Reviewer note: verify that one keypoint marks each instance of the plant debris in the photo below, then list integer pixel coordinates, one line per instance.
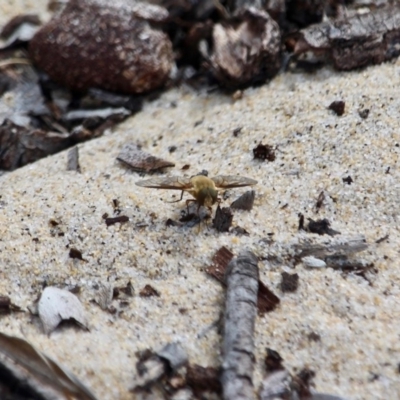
(240, 313)
(245, 201)
(152, 367)
(321, 227)
(6, 306)
(73, 160)
(223, 219)
(141, 161)
(121, 219)
(353, 42)
(348, 180)
(246, 48)
(264, 152)
(337, 107)
(57, 305)
(289, 282)
(75, 253)
(203, 379)
(149, 291)
(273, 361)
(30, 374)
(266, 300)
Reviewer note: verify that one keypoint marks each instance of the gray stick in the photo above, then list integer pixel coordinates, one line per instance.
(240, 314)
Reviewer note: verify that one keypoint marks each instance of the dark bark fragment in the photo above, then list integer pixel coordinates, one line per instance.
(203, 379)
(238, 343)
(223, 219)
(246, 48)
(357, 41)
(20, 146)
(245, 201)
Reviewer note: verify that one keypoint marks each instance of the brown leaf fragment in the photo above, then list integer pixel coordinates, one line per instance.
(220, 261)
(289, 282)
(246, 48)
(337, 107)
(302, 381)
(241, 277)
(264, 152)
(6, 306)
(360, 40)
(140, 160)
(75, 253)
(223, 219)
(107, 45)
(30, 374)
(115, 220)
(149, 291)
(57, 305)
(321, 227)
(266, 299)
(245, 201)
(203, 379)
(273, 361)
(73, 159)
(320, 200)
(348, 180)
(20, 146)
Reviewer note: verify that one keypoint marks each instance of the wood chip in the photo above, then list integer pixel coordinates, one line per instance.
(223, 219)
(203, 379)
(141, 161)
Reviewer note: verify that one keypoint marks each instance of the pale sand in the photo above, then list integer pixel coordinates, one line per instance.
(358, 323)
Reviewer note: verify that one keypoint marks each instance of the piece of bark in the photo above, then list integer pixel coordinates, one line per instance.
(220, 261)
(223, 219)
(240, 313)
(246, 48)
(27, 373)
(73, 160)
(266, 299)
(20, 146)
(245, 201)
(140, 160)
(203, 379)
(343, 246)
(155, 366)
(114, 220)
(358, 41)
(105, 45)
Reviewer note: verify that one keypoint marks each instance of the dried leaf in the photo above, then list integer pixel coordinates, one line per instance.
(140, 160)
(245, 201)
(41, 377)
(57, 305)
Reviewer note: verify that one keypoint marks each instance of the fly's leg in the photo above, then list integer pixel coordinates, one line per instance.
(176, 201)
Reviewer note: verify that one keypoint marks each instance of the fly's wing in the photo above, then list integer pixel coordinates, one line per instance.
(230, 181)
(171, 183)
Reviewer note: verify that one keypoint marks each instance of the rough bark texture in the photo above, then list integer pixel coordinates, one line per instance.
(238, 344)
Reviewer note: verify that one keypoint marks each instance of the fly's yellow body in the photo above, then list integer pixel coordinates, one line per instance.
(203, 189)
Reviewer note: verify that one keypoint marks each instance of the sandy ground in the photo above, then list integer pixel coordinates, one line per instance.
(356, 318)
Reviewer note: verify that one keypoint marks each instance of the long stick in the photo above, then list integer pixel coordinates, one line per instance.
(238, 344)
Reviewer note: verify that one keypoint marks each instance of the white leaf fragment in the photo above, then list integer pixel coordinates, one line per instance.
(313, 262)
(56, 305)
